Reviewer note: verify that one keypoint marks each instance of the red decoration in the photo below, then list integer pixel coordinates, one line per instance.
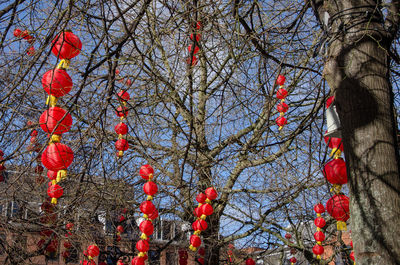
(197, 212)
(196, 49)
(319, 222)
(192, 60)
(55, 120)
(281, 80)
(122, 111)
(281, 93)
(122, 145)
(55, 191)
(123, 95)
(211, 193)
(335, 171)
(138, 261)
(145, 171)
(199, 225)
(153, 215)
(293, 260)
(93, 251)
(121, 218)
(17, 32)
(52, 246)
(147, 207)
(352, 256)
(198, 37)
(121, 128)
(202, 251)
(150, 188)
(319, 236)
(206, 209)
(57, 156)
(318, 250)
(67, 244)
(142, 245)
(66, 254)
(66, 45)
(195, 241)
(329, 101)
(146, 227)
(334, 142)
(201, 198)
(319, 208)
(200, 260)
(250, 261)
(69, 226)
(288, 236)
(282, 107)
(57, 82)
(120, 228)
(281, 121)
(338, 207)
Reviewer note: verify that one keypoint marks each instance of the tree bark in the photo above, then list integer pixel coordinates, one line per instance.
(357, 71)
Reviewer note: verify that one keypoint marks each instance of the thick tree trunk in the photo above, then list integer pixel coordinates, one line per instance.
(357, 71)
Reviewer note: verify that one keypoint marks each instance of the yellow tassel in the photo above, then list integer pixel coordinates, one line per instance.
(90, 257)
(337, 154)
(149, 197)
(341, 226)
(141, 254)
(120, 153)
(63, 64)
(124, 103)
(318, 257)
(336, 188)
(120, 136)
(143, 236)
(192, 248)
(150, 176)
(319, 229)
(54, 200)
(197, 232)
(319, 243)
(145, 216)
(200, 204)
(208, 201)
(281, 114)
(203, 217)
(51, 100)
(55, 138)
(280, 128)
(62, 174)
(318, 215)
(54, 182)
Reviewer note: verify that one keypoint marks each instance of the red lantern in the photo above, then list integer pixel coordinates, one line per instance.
(123, 95)
(288, 236)
(206, 209)
(319, 208)
(66, 45)
(142, 245)
(196, 49)
(121, 128)
(55, 120)
(282, 107)
(281, 121)
(146, 227)
(150, 188)
(280, 80)
(334, 142)
(201, 198)
(138, 261)
(195, 241)
(17, 32)
(281, 93)
(352, 256)
(52, 247)
(147, 207)
(153, 215)
(57, 156)
(338, 207)
(199, 225)
(250, 261)
(55, 191)
(121, 145)
(192, 60)
(293, 260)
(120, 228)
(121, 218)
(200, 260)
(93, 251)
(66, 254)
(118, 238)
(319, 222)
(69, 226)
(198, 212)
(198, 37)
(319, 236)
(57, 82)
(202, 251)
(335, 171)
(122, 111)
(211, 193)
(145, 171)
(318, 250)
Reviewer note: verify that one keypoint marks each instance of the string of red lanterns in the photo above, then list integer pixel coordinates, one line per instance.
(195, 37)
(121, 128)
(48, 218)
(183, 257)
(201, 252)
(203, 210)
(18, 33)
(319, 236)
(282, 107)
(120, 227)
(149, 214)
(293, 251)
(34, 146)
(91, 252)
(55, 121)
(67, 243)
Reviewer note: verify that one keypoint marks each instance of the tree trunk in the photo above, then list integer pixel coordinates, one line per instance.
(357, 71)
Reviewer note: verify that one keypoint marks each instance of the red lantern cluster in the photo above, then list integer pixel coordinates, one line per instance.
(230, 253)
(121, 128)
(18, 33)
(201, 253)
(34, 146)
(2, 167)
(67, 243)
(319, 236)
(183, 257)
(92, 251)
(48, 218)
(55, 121)
(120, 227)
(194, 47)
(282, 107)
(149, 214)
(250, 261)
(293, 251)
(203, 210)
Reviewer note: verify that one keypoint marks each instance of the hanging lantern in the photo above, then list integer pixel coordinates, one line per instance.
(201, 198)
(195, 241)
(57, 156)
(319, 236)
(335, 171)
(319, 222)
(55, 191)
(338, 208)
(196, 49)
(146, 172)
(211, 193)
(198, 37)
(55, 120)
(138, 261)
(146, 227)
(282, 107)
(288, 236)
(66, 45)
(150, 188)
(93, 251)
(250, 261)
(122, 111)
(281, 121)
(142, 245)
(206, 209)
(199, 225)
(57, 82)
(121, 145)
(123, 95)
(318, 250)
(121, 128)
(120, 229)
(332, 119)
(293, 260)
(281, 93)
(147, 207)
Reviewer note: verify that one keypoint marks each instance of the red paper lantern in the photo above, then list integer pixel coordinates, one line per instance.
(55, 120)
(69, 226)
(201, 198)
(318, 250)
(55, 191)
(153, 215)
(288, 236)
(146, 227)
(319, 208)
(138, 261)
(195, 241)
(122, 111)
(121, 128)
(280, 80)
(57, 82)
(250, 261)
(52, 246)
(192, 60)
(196, 49)
(319, 222)
(211, 193)
(335, 171)
(57, 156)
(198, 37)
(334, 142)
(319, 236)
(202, 251)
(121, 145)
(34, 133)
(352, 256)
(66, 254)
(338, 207)
(121, 218)
(281, 121)
(206, 209)
(282, 107)
(281, 93)
(93, 251)
(142, 245)
(200, 260)
(17, 32)
(145, 171)
(147, 207)
(66, 45)
(198, 212)
(199, 225)
(123, 95)
(120, 228)
(118, 238)
(150, 188)
(293, 260)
